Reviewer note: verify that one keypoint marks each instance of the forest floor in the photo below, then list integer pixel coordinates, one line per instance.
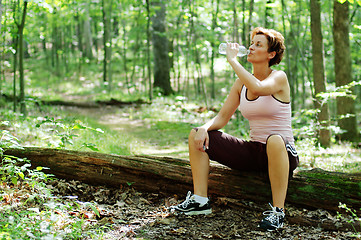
(137, 215)
(130, 214)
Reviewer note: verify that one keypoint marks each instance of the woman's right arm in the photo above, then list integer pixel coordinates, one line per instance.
(229, 107)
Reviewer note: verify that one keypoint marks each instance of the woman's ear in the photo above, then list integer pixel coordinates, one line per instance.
(271, 55)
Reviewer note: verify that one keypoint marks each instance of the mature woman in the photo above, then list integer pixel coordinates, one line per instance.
(264, 99)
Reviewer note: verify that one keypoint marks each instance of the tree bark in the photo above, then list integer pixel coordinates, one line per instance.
(160, 49)
(149, 66)
(310, 189)
(1, 11)
(213, 45)
(88, 39)
(268, 15)
(343, 72)
(319, 73)
(249, 25)
(1, 58)
(21, 60)
(107, 41)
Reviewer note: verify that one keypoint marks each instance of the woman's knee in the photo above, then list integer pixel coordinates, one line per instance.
(275, 142)
(192, 134)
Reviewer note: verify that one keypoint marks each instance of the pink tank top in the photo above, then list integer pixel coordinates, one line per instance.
(266, 115)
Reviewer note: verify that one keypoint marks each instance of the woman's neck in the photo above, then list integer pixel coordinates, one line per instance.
(261, 71)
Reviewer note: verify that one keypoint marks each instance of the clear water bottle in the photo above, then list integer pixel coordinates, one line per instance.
(243, 51)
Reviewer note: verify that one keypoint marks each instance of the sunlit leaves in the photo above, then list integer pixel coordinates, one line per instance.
(343, 91)
(351, 1)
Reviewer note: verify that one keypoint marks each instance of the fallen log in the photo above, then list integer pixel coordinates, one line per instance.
(310, 189)
(87, 104)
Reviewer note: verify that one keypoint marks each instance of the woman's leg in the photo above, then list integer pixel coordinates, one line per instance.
(200, 167)
(278, 169)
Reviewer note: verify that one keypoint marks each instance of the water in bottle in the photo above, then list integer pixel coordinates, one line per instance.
(243, 51)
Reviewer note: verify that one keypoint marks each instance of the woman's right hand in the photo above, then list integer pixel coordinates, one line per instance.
(201, 140)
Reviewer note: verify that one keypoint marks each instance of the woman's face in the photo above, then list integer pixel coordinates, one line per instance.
(259, 50)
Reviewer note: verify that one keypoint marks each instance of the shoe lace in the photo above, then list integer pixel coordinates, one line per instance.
(187, 201)
(273, 216)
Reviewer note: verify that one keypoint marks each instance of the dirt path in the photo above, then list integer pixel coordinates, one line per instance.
(120, 120)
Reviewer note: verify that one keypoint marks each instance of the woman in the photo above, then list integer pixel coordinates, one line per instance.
(264, 99)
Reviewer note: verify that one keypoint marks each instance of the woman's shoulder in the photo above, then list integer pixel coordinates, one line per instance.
(279, 74)
(238, 84)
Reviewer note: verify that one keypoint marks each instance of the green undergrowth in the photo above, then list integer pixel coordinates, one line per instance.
(29, 210)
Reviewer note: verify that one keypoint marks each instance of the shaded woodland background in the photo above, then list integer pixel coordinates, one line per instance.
(157, 62)
(151, 48)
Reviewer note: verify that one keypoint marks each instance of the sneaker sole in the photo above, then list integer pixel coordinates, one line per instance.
(206, 212)
(272, 230)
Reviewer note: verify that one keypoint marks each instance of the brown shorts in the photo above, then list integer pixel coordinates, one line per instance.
(244, 155)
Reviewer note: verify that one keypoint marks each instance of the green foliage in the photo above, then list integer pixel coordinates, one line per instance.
(28, 210)
(66, 132)
(352, 218)
(343, 91)
(351, 1)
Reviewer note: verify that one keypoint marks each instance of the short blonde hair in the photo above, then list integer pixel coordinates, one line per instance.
(276, 42)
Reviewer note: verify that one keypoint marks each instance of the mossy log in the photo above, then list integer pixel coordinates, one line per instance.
(310, 189)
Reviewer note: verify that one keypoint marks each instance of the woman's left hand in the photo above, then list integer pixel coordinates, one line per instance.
(232, 51)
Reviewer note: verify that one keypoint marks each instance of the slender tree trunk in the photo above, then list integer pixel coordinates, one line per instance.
(1, 79)
(288, 59)
(80, 39)
(15, 67)
(21, 60)
(107, 7)
(249, 25)
(136, 46)
(177, 52)
(1, 11)
(235, 22)
(88, 40)
(124, 52)
(268, 15)
(319, 73)
(160, 49)
(244, 38)
(345, 105)
(213, 45)
(149, 66)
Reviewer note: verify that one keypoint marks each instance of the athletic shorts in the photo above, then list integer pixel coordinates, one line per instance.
(244, 155)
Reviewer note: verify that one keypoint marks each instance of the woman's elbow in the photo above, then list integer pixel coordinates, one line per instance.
(256, 91)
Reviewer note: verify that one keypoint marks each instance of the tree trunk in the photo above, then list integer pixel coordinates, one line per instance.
(21, 60)
(79, 35)
(310, 189)
(343, 75)
(235, 23)
(160, 49)
(15, 66)
(1, 11)
(249, 25)
(88, 40)
(107, 41)
(319, 73)
(268, 15)
(149, 66)
(213, 45)
(1, 58)
(124, 52)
